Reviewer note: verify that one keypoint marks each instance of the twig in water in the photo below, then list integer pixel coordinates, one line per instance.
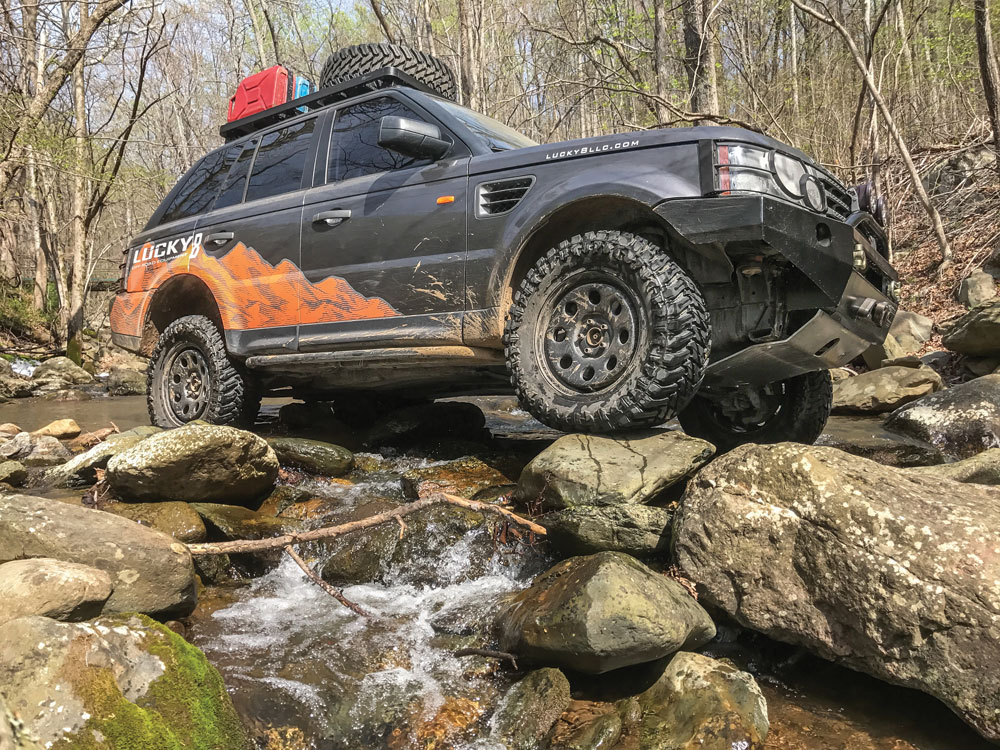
(488, 653)
(335, 593)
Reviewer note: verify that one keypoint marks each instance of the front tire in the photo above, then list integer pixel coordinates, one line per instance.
(793, 410)
(191, 377)
(605, 333)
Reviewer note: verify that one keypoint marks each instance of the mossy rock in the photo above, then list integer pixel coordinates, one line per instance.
(325, 459)
(126, 683)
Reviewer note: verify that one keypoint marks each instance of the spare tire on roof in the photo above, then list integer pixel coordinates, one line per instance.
(354, 62)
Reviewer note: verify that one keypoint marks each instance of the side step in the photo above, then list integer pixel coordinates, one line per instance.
(418, 356)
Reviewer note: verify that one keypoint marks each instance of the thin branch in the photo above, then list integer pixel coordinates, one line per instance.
(335, 593)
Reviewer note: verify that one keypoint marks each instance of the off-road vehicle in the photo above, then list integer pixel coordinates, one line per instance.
(377, 236)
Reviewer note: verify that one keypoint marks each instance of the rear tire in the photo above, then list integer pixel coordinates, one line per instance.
(191, 377)
(606, 332)
(799, 408)
(354, 62)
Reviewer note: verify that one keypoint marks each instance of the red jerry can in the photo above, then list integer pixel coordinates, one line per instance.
(260, 91)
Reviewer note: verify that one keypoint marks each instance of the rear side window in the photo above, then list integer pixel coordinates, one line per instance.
(236, 181)
(281, 160)
(354, 149)
(199, 189)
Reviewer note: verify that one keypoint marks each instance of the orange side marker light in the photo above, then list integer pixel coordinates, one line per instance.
(446, 199)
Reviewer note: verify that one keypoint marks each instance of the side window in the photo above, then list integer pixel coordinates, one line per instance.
(354, 149)
(281, 159)
(201, 186)
(236, 181)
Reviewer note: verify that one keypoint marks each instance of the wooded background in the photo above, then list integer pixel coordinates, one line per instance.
(104, 104)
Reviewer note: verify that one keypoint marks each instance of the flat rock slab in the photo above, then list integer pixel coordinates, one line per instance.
(82, 469)
(150, 572)
(983, 468)
(52, 588)
(601, 612)
(464, 477)
(868, 438)
(594, 470)
(882, 390)
(886, 571)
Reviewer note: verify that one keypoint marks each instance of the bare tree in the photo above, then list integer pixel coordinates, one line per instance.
(988, 72)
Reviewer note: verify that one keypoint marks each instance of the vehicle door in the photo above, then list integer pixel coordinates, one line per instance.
(250, 240)
(383, 236)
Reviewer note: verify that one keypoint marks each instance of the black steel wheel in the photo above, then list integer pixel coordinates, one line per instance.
(605, 333)
(191, 377)
(354, 62)
(793, 410)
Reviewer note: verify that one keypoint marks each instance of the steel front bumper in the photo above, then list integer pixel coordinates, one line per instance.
(823, 250)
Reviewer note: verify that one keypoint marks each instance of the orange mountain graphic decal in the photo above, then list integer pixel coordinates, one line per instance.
(250, 292)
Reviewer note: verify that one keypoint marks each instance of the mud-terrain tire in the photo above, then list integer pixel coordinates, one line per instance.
(353, 62)
(606, 333)
(191, 377)
(803, 406)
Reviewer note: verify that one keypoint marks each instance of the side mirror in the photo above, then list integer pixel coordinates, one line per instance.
(421, 140)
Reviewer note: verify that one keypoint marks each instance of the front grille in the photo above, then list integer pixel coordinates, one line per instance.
(501, 197)
(838, 197)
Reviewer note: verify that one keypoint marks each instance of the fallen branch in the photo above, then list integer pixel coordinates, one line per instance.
(330, 532)
(488, 653)
(335, 593)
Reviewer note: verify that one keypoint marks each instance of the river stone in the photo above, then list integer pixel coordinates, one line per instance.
(976, 288)
(880, 569)
(529, 710)
(82, 469)
(176, 519)
(117, 682)
(13, 473)
(198, 462)
(52, 588)
(601, 612)
(883, 390)
(983, 468)
(150, 572)
(34, 451)
(12, 386)
(977, 332)
(699, 703)
(638, 530)
(601, 732)
(126, 381)
(13, 735)
(314, 456)
(464, 477)
(9, 429)
(60, 371)
(911, 329)
(235, 522)
(877, 354)
(63, 429)
(594, 470)
(962, 421)
(868, 438)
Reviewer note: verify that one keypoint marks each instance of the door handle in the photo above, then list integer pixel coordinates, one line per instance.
(219, 238)
(332, 218)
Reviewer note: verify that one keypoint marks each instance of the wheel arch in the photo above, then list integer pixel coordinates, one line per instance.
(184, 294)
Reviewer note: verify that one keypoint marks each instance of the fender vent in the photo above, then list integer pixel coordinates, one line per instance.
(495, 198)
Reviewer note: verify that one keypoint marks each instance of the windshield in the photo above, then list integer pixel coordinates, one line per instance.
(498, 136)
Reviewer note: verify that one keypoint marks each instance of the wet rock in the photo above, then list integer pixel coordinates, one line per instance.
(593, 470)
(601, 732)
(883, 390)
(150, 572)
(962, 421)
(82, 469)
(59, 372)
(877, 354)
(198, 462)
(976, 288)
(126, 381)
(598, 613)
(453, 419)
(529, 710)
(638, 530)
(12, 386)
(31, 450)
(911, 330)
(52, 588)
(236, 522)
(9, 429)
(175, 519)
(63, 394)
(62, 429)
(699, 703)
(314, 456)
(13, 473)
(983, 468)
(857, 562)
(283, 497)
(118, 682)
(976, 333)
(868, 438)
(465, 477)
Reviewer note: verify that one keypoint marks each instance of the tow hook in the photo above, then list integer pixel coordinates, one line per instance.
(866, 307)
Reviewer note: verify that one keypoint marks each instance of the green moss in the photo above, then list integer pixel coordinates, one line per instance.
(186, 708)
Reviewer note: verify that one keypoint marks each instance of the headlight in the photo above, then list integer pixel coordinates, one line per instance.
(743, 168)
(789, 172)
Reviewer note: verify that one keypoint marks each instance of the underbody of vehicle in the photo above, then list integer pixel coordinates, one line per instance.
(377, 236)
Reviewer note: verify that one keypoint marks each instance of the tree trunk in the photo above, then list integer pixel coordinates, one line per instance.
(793, 33)
(988, 71)
(661, 58)
(78, 229)
(468, 39)
(699, 59)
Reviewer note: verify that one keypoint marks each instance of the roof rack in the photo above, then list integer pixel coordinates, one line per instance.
(382, 78)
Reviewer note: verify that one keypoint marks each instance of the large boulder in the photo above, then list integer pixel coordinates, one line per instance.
(464, 477)
(150, 572)
(315, 456)
(118, 682)
(529, 709)
(977, 332)
(637, 530)
(82, 469)
(883, 390)
(962, 421)
(594, 470)
(877, 354)
(911, 330)
(199, 462)
(976, 288)
(598, 613)
(883, 570)
(59, 372)
(52, 588)
(126, 381)
(983, 468)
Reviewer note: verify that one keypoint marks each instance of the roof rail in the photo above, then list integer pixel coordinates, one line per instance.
(382, 78)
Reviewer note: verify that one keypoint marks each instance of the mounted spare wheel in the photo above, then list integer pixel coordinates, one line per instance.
(354, 62)
(606, 332)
